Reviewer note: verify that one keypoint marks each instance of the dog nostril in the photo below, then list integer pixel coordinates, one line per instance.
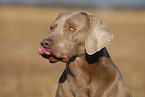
(46, 44)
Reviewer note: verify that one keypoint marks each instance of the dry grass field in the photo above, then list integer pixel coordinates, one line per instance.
(23, 73)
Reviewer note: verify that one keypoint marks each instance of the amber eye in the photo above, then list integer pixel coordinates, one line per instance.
(71, 28)
(52, 28)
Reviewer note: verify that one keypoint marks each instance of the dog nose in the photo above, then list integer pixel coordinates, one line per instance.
(46, 43)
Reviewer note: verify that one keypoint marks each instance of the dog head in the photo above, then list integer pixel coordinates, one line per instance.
(74, 34)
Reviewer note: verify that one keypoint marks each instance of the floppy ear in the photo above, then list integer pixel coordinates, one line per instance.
(98, 35)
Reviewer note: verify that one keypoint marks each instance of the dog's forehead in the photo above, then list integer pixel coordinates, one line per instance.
(61, 17)
(68, 16)
(72, 17)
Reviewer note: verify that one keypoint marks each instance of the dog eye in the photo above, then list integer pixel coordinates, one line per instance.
(52, 28)
(71, 28)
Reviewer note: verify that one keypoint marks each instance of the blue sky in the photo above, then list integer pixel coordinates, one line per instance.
(108, 1)
(130, 1)
(122, 1)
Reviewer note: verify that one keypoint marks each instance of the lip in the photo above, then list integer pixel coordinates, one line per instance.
(53, 59)
(48, 55)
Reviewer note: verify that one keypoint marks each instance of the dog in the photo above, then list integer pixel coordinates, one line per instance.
(79, 39)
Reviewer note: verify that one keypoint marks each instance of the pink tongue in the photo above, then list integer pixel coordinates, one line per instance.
(42, 51)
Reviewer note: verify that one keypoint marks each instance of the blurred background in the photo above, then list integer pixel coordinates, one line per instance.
(24, 23)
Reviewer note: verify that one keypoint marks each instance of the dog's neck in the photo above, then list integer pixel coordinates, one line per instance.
(95, 57)
(76, 66)
(91, 58)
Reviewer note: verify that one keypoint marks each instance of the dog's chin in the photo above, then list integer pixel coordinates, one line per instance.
(54, 59)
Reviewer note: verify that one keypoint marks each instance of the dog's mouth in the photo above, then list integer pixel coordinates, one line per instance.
(48, 55)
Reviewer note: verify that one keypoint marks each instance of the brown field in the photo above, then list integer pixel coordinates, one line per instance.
(23, 73)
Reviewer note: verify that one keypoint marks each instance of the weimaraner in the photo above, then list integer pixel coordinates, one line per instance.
(79, 40)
